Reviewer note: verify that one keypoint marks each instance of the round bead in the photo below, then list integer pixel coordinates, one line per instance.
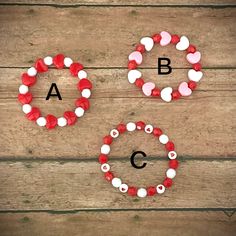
(32, 71)
(140, 125)
(157, 132)
(131, 126)
(163, 139)
(41, 121)
(105, 149)
(142, 192)
(116, 182)
(86, 93)
(172, 155)
(23, 89)
(82, 74)
(67, 61)
(114, 133)
(109, 176)
(102, 158)
(105, 167)
(160, 189)
(123, 188)
(132, 191)
(107, 139)
(148, 129)
(170, 146)
(151, 191)
(26, 108)
(167, 182)
(48, 60)
(79, 111)
(62, 121)
(173, 164)
(171, 173)
(121, 128)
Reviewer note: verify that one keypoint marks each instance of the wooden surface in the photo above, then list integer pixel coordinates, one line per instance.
(50, 181)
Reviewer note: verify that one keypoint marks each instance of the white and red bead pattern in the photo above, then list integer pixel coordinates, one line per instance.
(29, 79)
(117, 182)
(167, 94)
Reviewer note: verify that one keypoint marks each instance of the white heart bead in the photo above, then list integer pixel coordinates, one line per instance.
(86, 93)
(160, 188)
(195, 75)
(105, 149)
(166, 94)
(148, 129)
(105, 167)
(23, 89)
(172, 155)
(48, 60)
(183, 44)
(147, 42)
(133, 75)
(26, 108)
(131, 126)
(116, 182)
(32, 71)
(123, 188)
(82, 74)
(67, 61)
(79, 111)
(41, 121)
(163, 139)
(114, 133)
(62, 121)
(142, 192)
(171, 173)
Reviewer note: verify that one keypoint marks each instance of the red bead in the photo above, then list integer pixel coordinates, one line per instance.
(102, 158)
(58, 61)
(197, 66)
(82, 102)
(25, 98)
(170, 146)
(75, 68)
(70, 117)
(176, 94)
(132, 191)
(139, 82)
(192, 85)
(175, 39)
(156, 92)
(41, 66)
(51, 121)
(28, 80)
(34, 114)
(167, 182)
(132, 65)
(107, 139)
(84, 84)
(140, 125)
(109, 176)
(140, 48)
(173, 164)
(151, 191)
(156, 38)
(191, 49)
(121, 128)
(157, 132)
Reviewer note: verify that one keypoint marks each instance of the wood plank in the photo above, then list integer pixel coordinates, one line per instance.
(80, 185)
(97, 43)
(130, 223)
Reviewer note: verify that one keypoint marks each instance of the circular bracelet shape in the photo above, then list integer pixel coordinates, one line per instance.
(168, 93)
(29, 79)
(116, 181)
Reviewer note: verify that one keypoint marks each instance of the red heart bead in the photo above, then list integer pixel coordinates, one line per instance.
(25, 98)
(82, 102)
(41, 66)
(70, 117)
(34, 114)
(84, 84)
(58, 61)
(75, 68)
(51, 121)
(28, 80)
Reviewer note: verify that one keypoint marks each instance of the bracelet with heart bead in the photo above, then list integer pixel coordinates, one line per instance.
(167, 94)
(29, 79)
(123, 186)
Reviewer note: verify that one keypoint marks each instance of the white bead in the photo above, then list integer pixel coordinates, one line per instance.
(171, 173)
(32, 71)
(142, 192)
(160, 188)
(82, 74)
(148, 43)
(48, 60)
(67, 61)
(86, 93)
(123, 188)
(116, 182)
(148, 129)
(133, 75)
(105, 149)
(79, 111)
(172, 155)
(163, 139)
(62, 121)
(23, 89)
(41, 121)
(131, 126)
(105, 167)
(26, 108)
(114, 133)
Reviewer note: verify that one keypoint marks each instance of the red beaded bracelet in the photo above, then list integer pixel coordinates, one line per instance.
(117, 182)
(149, 89)
(29, 79)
